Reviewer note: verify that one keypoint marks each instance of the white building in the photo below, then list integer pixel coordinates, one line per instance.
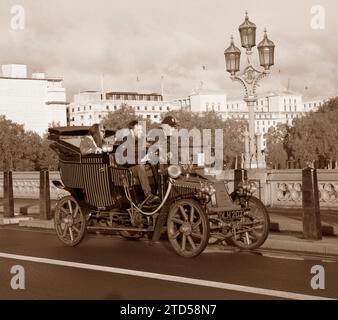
(36, 102)
(274, 108)
(271, 109)
(91, 107)
(203, 101)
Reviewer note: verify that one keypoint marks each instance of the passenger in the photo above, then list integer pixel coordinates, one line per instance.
(139, 170)
(93, 143)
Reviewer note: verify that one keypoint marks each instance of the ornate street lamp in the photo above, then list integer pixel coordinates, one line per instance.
(266, 50)
(232, 58)
(249, 79)
(247, 31)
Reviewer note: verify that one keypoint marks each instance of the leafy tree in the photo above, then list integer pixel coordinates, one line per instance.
(277, 146)
(314, 137)
(120, 118)
(233, 139)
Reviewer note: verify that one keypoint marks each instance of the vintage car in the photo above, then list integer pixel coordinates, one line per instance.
(195, 207)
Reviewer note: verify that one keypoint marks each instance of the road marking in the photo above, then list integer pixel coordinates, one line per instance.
(277, 256)
(166, 277)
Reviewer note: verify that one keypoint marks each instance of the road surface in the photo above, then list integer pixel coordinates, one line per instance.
(107, 267)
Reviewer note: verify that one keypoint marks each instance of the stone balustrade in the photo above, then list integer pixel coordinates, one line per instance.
(276, 188)
(283, 188)
(26, 185)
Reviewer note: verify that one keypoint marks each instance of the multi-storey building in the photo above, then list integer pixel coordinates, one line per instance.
(36, 102)
(270, 110)
(91, 107)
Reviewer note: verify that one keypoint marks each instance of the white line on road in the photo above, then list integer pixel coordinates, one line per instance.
(166, 277)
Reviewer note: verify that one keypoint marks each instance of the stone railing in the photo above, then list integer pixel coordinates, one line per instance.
(276, 188)
(26, 185)
(283, 188)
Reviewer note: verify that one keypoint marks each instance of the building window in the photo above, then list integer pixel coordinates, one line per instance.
(100, 116)
(160, 108)
(78, 109)
(72, 109)
(168, 108)
(107, 107)
(153, 108)
(145, 108)
(138, 107)
(90, 116)
(115, 107)
(148, 116)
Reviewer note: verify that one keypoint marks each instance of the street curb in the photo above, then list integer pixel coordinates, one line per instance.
(327, 230)
(15, 220)
(37, 223)
(279, 242)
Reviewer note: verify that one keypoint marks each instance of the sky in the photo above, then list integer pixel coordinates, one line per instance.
(120, 41)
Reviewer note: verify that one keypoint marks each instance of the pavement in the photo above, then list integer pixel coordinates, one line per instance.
(285, 231)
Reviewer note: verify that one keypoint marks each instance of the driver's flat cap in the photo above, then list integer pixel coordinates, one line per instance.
(171, 121)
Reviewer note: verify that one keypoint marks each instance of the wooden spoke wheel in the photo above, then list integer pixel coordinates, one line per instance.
(188, 228)
(253, 229)
(69, 221)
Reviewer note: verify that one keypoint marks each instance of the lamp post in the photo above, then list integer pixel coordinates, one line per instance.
(249, 79)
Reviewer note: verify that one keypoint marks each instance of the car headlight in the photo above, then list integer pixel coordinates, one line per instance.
(248, 186)
(253, 187)
(174, 171)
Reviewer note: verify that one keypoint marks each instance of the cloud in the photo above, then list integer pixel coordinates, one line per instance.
(82, 39)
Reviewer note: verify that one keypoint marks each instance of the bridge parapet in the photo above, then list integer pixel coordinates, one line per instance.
(26, 185)
(276, 188)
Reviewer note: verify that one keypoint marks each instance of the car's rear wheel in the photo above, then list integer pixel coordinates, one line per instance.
(69, 221)
(188, 228)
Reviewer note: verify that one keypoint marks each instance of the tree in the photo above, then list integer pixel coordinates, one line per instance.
(120, 118)
(277, 146)
(233, 139)
(11, 137)
(314, 137)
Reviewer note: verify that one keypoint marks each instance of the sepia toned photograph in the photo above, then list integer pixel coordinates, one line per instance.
(168, 156)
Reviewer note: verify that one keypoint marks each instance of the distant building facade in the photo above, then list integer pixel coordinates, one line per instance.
(280, 107)
(91, 107)
(36, 101)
